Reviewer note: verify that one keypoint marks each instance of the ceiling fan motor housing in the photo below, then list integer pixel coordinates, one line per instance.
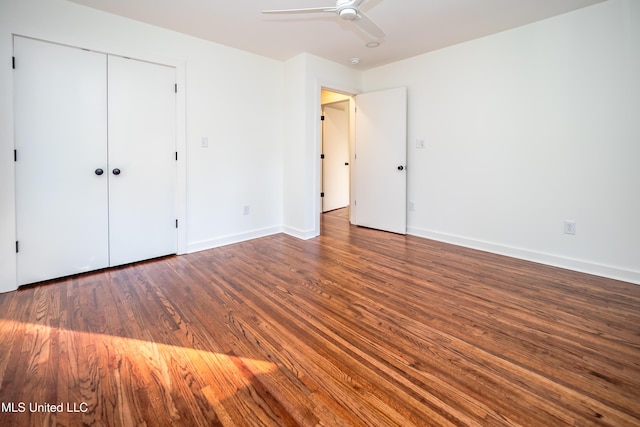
(348, 9)
(349, 14)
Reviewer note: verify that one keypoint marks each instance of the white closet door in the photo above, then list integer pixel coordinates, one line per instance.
(142, 162)
(61, 140)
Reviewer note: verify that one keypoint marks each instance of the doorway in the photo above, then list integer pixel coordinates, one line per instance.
(377, 180)
(336, 140)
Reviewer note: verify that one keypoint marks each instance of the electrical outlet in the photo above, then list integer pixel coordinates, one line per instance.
(569, 227)
(204, 142)
(412, 206)
(419, 143)
(246, 209)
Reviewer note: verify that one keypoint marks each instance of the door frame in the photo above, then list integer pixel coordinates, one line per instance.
(350, 92)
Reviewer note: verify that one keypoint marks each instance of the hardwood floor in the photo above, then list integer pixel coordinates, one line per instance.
(356, 327)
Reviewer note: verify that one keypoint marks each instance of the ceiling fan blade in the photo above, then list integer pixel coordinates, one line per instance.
(305, 10)
(368, 26)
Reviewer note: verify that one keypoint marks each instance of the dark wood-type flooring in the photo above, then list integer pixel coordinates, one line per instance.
(356, 327)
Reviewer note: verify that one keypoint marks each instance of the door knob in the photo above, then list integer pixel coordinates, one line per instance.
(116, 171)
(400, 168)
(99, 171)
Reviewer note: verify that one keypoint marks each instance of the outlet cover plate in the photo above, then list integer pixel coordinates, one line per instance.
(570, 227)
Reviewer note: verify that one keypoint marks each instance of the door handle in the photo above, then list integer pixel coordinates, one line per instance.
(400, 168)
(116, 171)
(99, 171)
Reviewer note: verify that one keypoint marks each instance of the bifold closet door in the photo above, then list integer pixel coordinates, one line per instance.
(142, 160)
(60, 114)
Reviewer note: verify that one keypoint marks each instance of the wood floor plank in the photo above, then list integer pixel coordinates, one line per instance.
(356, 327)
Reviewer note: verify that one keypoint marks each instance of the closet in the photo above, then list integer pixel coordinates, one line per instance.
(95, 141)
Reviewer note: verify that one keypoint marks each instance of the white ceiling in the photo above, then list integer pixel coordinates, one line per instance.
(412, 27)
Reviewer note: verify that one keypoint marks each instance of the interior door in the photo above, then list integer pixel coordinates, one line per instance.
(61, 141)
(335, 165)
(142, 160)
(381, 152)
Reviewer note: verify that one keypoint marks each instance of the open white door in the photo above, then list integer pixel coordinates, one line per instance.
(381, 154)
(142, 160)
(335, 164)
(61, 169)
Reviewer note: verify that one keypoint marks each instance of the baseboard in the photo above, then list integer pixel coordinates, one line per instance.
(602, 270)
(300, 234)
(231, 239)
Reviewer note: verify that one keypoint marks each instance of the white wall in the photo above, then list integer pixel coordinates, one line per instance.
(232, 97)
(528, 128)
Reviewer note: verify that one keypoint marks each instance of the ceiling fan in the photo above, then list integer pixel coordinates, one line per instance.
(349, 10)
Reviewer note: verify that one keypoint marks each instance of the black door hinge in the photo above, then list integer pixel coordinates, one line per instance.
(176, 155)
(17, 246)
(176, 223)
(13, 62)
(322, 156)
(15, 155)
(321, 117)
(321, 194)
(176, 87)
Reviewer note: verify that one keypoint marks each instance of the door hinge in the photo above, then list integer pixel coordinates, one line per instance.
(13, 62)
(321, 117)
(176, 156)
(321, 194)
(322, 156)
(17, 247)
(176, 88)
(15, 155)
(176, 223)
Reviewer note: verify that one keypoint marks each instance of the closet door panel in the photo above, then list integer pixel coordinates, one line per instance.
(142, 162)
(61, 142)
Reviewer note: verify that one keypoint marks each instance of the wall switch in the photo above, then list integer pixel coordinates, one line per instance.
(246, 209)
(419, 143)
(204, 142)
(569, 227)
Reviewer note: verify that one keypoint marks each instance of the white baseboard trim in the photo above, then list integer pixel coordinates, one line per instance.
(611, 272)
(231, 239)
(300, 234)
